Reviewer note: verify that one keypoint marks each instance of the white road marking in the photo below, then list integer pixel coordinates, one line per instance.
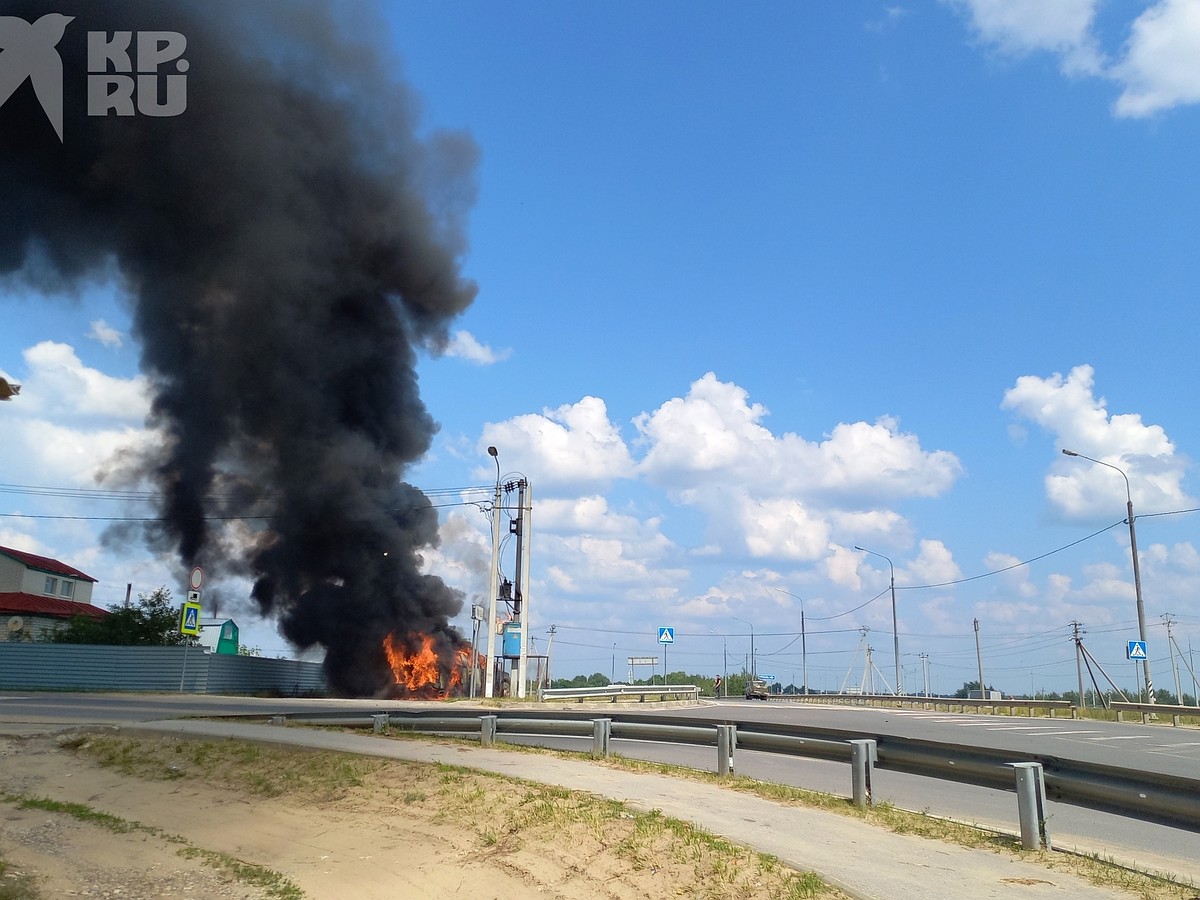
(1123, 737)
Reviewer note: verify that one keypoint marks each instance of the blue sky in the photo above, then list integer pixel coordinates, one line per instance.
(758, 284)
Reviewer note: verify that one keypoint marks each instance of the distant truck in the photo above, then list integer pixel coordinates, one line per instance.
(980, 695)
(757, 689)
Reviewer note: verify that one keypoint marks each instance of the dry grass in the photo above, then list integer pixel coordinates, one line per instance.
(510, 819)
(1097, 870)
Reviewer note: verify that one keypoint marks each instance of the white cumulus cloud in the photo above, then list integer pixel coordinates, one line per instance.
(715, 434)
(575, 443)
(1080, 421)
(1157, 67)
(1161, 65)
(105, 334)
(464, 345)
(59, 384)
(1024, 26)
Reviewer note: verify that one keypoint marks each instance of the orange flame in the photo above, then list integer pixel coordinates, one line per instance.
(415, 671)
(420, 672)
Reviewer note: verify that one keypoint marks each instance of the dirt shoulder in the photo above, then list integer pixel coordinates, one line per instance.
(95, 816)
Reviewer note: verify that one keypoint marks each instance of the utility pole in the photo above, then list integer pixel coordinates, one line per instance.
(925, 671)
(1171, 647)
(477, 614)
(803, 649)
(1137, 572)
(489, 683)
(895, 631)
(521, 603)
(1192, 669)
(1078, 663)
(979, 659)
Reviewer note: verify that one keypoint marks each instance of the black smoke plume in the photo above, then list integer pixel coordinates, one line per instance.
(288, 242)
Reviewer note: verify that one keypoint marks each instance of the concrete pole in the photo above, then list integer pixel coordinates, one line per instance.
(895, 631)
(1174, 667)
(979, 658)
(1137, 573)
(803, 648)
(489, 682)
(1079, 666)
(525, 502)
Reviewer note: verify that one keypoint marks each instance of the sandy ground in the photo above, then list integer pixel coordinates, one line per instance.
(404, 830)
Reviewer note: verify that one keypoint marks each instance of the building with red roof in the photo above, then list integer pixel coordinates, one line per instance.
(39, 594)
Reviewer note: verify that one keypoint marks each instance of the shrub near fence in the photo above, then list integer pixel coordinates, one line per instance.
(86, 667)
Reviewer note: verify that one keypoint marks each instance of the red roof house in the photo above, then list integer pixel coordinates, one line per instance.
(38, 594)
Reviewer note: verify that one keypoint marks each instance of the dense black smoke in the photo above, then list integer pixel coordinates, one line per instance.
(288, 243)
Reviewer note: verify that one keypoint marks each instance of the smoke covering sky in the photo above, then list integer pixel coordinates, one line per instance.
(753, 287)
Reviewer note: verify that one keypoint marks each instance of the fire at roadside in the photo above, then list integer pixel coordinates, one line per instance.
(422, 674)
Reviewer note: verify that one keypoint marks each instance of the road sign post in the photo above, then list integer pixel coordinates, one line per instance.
(666, 635)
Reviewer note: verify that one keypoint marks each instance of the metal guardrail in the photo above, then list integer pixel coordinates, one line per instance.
(615, 692)
(908, 701)
(1147, 710)
(1138, 794)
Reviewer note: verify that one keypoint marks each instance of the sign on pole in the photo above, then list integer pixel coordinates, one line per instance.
(197, 579)
(666, 635)
(189, 619)
(1135, 650)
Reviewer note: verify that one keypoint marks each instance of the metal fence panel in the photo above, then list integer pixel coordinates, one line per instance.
(229, 674)
(90, 667)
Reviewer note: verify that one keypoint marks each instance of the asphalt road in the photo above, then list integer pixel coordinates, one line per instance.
(1151, 748)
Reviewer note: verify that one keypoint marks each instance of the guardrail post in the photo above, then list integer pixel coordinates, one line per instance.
(487, 730)
(601, 734)
(726, 745)
(379, 723)
(863, 756)
(1031, 805)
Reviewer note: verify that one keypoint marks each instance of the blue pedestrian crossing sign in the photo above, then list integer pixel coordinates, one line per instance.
(666, 635)
(1135, 650)
(189, 619)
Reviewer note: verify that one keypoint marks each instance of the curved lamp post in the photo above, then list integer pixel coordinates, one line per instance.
(803, 641)
(895, 632)
(1137, 575)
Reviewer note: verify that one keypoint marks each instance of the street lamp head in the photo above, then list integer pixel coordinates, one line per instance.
(861, 549)
(492, 451)
(1067, 452)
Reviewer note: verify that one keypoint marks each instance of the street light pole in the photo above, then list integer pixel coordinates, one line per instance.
(1137, 574)
(803, 641)
(895, 632)
(753, 661)
(494, 584)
